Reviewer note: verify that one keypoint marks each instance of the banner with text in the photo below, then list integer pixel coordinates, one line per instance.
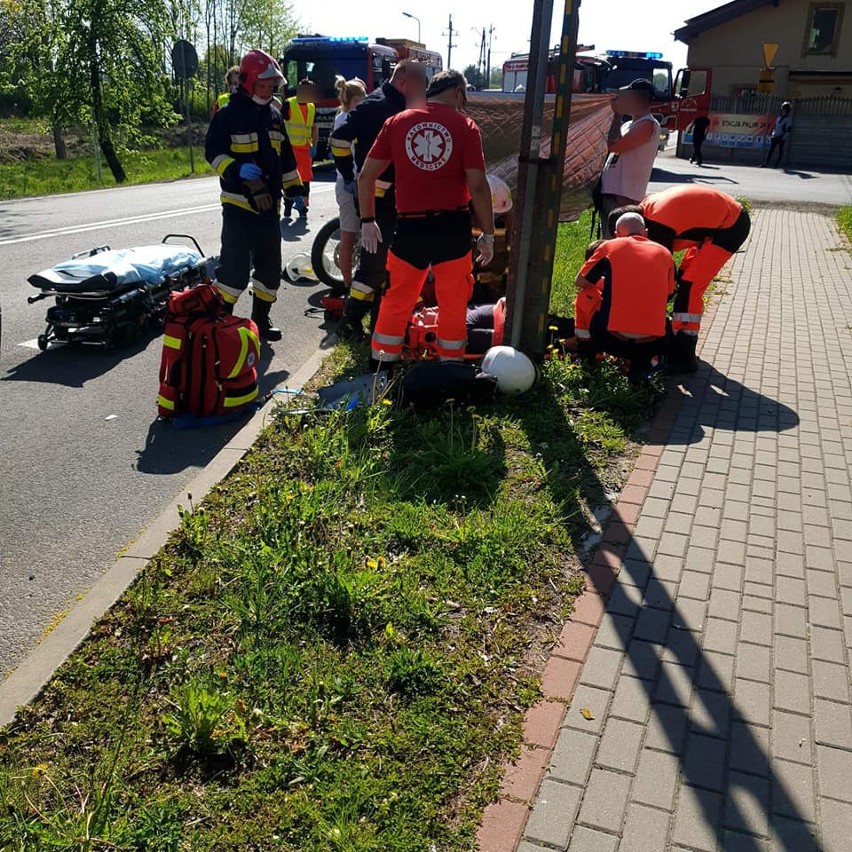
(737, 130)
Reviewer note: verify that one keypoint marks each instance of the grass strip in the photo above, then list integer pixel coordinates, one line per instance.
(335, 650)
(49, 176)
(844, 221)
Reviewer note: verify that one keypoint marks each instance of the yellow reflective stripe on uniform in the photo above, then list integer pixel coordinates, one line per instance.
(276, 140)
(247, 336)
(237, 401)
(244, 143)
(264, 293)
(221, 163)
(236, 199)
(291, 179)
(361, 292)
(172, 342)
(168, 404)
(340, 151)
(687, 317)
(229, 294)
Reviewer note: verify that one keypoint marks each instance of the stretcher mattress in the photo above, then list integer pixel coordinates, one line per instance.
(117, 269)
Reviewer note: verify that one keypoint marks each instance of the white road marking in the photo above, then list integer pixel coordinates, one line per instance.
(95, 226)
(129, 220)
(30, 344)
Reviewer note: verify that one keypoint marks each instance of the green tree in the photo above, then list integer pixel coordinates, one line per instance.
(114, 65)
(268, 25)
(38, 39)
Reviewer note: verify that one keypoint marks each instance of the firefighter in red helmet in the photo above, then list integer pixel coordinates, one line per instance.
(248, 148)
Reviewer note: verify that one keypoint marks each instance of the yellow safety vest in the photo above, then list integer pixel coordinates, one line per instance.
(299, 130)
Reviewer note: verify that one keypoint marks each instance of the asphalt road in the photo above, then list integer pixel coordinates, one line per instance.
(84, 464)
(773, 186)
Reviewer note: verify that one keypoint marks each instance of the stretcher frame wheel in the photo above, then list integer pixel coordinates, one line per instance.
(42, 341)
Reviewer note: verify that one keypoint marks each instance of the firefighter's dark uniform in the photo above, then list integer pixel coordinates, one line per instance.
(245, 132)
(361, 127)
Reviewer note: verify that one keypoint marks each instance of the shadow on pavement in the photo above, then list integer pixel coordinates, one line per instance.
(729, 406)
(802, 175)
(74, 364)
(724, 767)
(662, 176)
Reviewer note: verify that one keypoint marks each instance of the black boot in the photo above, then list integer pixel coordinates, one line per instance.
(260, 315)
(352, 323)
(288, 208)
(680, 357)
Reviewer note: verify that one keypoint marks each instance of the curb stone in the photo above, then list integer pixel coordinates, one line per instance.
(25, 683)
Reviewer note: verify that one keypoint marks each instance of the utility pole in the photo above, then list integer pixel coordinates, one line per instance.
(539, 192)
(488, 62)
(450, 33)
(480, 63)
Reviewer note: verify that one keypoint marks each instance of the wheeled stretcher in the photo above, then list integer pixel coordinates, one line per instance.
(108, 296)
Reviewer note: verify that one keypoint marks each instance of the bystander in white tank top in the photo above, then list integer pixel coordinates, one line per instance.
(628, 174)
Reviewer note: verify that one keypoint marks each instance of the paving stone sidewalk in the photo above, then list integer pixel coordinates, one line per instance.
(718, 685)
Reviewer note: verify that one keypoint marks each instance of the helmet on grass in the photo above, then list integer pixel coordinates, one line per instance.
(258, 66)
(515, 373)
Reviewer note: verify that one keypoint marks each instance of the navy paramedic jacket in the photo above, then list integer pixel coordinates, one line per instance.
(245, 132)
(361, 127)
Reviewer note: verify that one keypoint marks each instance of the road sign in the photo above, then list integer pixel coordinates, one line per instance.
(766, 82)
(184, 60)
(770, 50)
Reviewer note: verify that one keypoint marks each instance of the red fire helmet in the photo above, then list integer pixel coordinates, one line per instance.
(257, 65)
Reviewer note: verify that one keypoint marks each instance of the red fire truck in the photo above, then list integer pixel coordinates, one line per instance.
(323, 59)
(676, 103)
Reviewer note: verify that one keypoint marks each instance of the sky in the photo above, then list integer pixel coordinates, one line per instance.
(608, 24)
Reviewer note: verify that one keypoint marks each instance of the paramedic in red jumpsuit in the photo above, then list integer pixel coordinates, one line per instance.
(440, 169)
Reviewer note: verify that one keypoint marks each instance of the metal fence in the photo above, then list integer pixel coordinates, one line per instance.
(822, 130)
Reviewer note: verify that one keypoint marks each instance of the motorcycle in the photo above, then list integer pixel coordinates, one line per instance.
(325, 256)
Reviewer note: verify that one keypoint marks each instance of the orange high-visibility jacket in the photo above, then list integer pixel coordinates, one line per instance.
(685, 216)
(638, 278)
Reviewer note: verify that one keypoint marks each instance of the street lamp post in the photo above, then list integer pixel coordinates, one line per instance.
(414, 18)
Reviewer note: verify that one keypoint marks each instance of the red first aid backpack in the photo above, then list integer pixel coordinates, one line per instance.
(208, 367)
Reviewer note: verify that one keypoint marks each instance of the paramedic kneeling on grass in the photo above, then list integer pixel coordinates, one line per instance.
(636, 278)
(440, 168)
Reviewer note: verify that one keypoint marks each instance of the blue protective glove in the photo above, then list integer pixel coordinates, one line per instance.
(300, 204)
(250, 171)
(313, 152)
(350, 186)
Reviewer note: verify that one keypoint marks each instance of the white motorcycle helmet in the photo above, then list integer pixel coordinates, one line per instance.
(501, 195)
(515, 373)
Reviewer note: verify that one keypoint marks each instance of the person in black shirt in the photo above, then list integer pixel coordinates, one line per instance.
(407, 88)
(699, 134)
